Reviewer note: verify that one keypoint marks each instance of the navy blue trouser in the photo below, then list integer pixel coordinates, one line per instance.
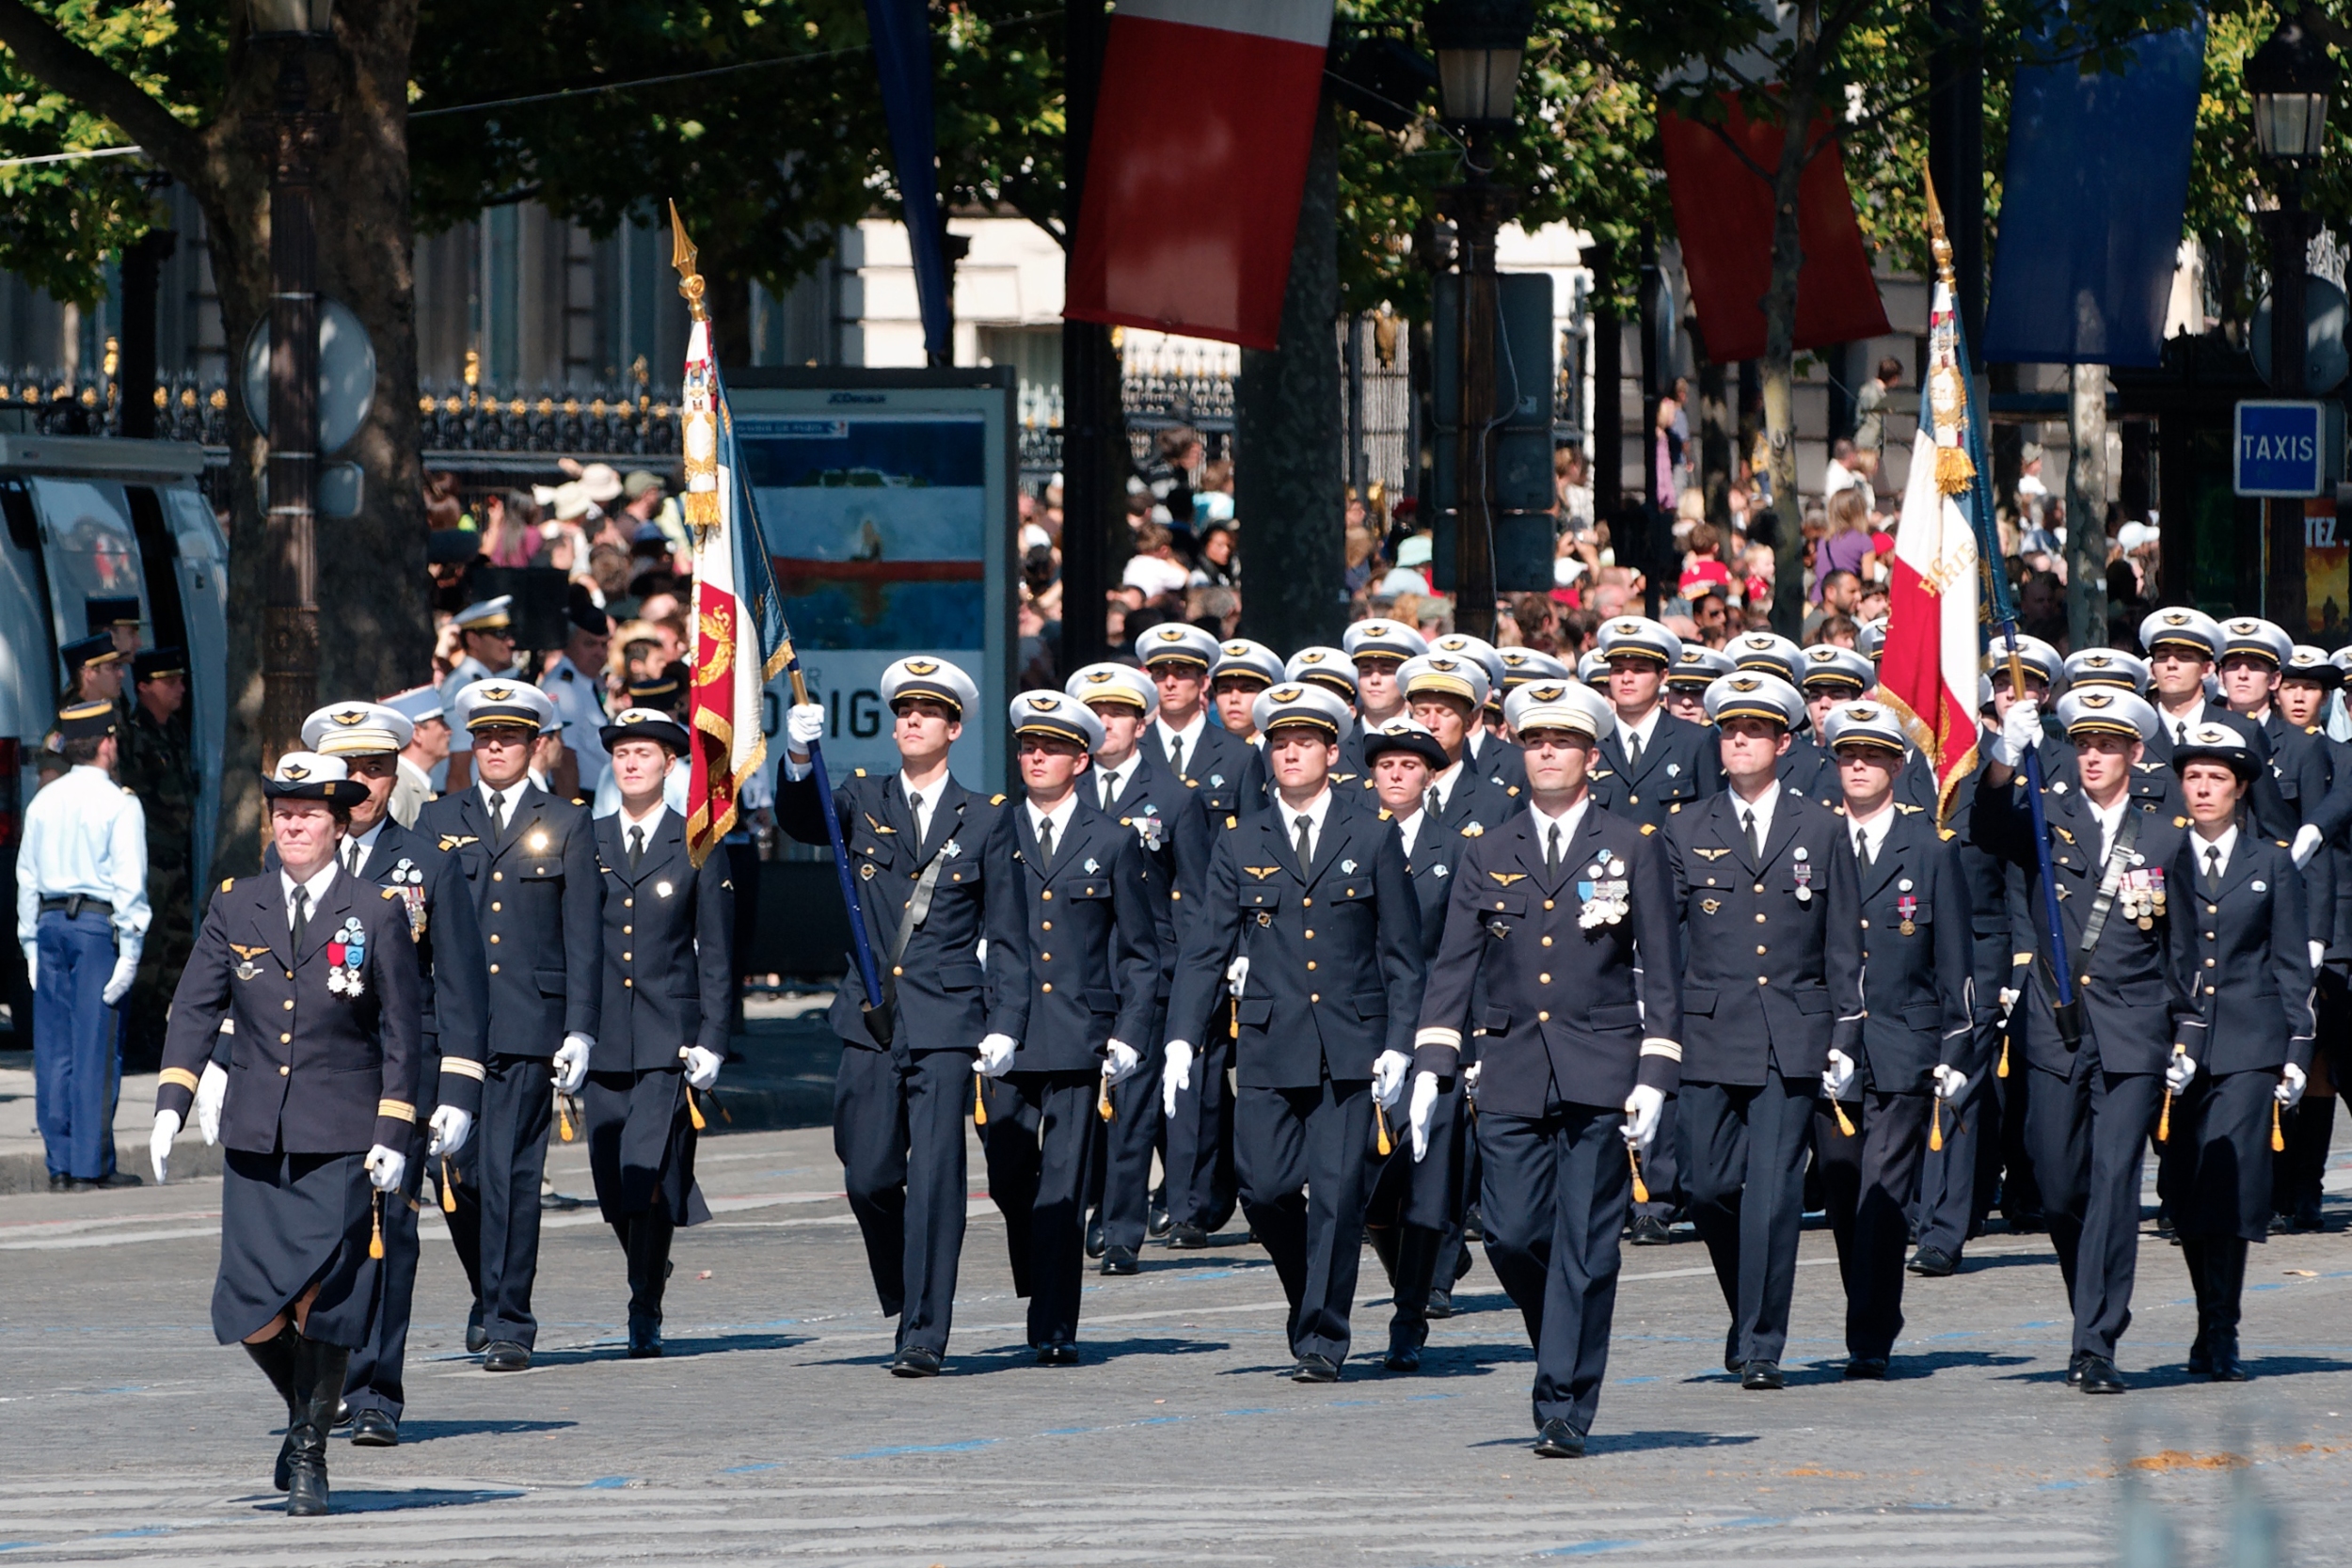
(77, 1061)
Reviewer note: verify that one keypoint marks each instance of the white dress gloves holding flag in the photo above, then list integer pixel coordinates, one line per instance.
(804, 726)
(2021, 732)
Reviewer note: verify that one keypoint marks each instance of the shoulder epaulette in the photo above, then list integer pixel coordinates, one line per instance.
(1511, 790)
(391, 893)
(1472, 830)
(128, 790)
(2280, 842)
(2178, 822)
(579, 800)
(1232, 821)
(1946, 834)
(1192, 784)
(859, 771)
(228, 883)
(1648, 828)
(1384, 813)
(996, 799)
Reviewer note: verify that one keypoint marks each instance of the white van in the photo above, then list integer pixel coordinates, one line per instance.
(96, 517)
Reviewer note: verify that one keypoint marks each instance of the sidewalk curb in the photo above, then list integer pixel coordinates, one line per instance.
(30, 1173)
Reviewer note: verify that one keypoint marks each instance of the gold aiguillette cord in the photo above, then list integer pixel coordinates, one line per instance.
(1380, 1128)
(1103, 1099)
(375, 1234)
(449, 1186)
(1633, 1161)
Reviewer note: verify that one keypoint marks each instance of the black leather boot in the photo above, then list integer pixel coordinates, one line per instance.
(1415, 1269)
(649, 1237)
(2225, 1287)
(1383, 1240)
(276, 1357)
(319, 1370)
(2201, 1348)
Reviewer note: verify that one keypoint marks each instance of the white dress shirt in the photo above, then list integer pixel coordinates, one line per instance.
(922, 814)
(2204, 846)
(318, 882)
(1111, 783)
(649, 824)
(84, 833)
(1316, 810)
(1060, 816)
(1442, 786)
(1761, 808)
(2178, 725)
(355, 851)
(1408, 824)
(512, 794)
(1644, 732)
(1189, 736)
(1568, 822)
(2111, 820)
(1871, 834)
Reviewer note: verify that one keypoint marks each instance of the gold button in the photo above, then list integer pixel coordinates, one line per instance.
(1762, 981)
(285, 1073)
(629, 903)
(494, 939)
(1045, 926)
(1311, 963)
(2208, 965)
(2208, 991)
(290, 974)
(1045, 957)
(1048, 895)
(2209, 938)
(1635, 799)
(1759, 920)
(498, 876)
(1543, 1017)
(1543, 979)
(629, 958)
(628, 983)
(1310, 936)
(285, 1039)
(1314, 996)
(496, 906)
(290, 1000)
(1547, 942)
(494, 968)
(1048, 985)
(1759, 887)
(628, 931)
(1547, 903)
(1759, 949)
(2212, 909)
(1307, 903)
(895, 968)
(1498, 903)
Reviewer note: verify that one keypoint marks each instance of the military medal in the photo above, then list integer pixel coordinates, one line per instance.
(1804, 869)
(410, 881)
(1604, 894)
(1906, 906)
(347, 952)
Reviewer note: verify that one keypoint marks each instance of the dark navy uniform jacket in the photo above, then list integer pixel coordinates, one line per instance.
(947, 998)
(1917, 956)
(1555, 999)
(2274, 815)
(315, 1066)
(1094, 941)
(669, 972)
(1334, 949)
(1496, 759)
(2249, 975)
(1812, 771)
(1768, 977)
(1180, 861)
(2134, 997)
(448, 938)
(536, 896)
(1229, 770)
(1682, 765)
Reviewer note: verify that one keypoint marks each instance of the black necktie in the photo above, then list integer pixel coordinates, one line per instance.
(498, 812)
(1551, 851)
(1632, 750)
(1306, 841)
(351, 856)
(636, 846)
(1176, 756)
(301, 917)
(1045, 842)
(1747, 826)
(2180, 732)
(1862, 851)
(2213, 868)
(914, 810)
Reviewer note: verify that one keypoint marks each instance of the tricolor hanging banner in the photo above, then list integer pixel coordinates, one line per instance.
(1928, 671)
(1723, 216)
(740, 639)
(1191, 200)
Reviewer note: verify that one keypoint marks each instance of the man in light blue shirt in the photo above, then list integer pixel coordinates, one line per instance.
(81, 918)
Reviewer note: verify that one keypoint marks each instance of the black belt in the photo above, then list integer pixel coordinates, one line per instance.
(72, 904)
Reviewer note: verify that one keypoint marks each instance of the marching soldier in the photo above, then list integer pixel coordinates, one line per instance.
(669, 924)
(1379, 647)
(158, 767)
(2310, 1126)
(1695, 669)
(2100, 1062)
(1160, 809)
(1488, 753)
(426, 752)
(1311, 890)
(486, 640)
(1651, 769)
(1918, 1052)
(1177, 658)
(1560, 951)
(310, 972)
(1413, 1214)
(1445, 695)
(1806, 766)
(2230, 1085)
(430, 889)
(1831, 676)
(1770, 986)
(936, 877)
(1329, 668)
(1093, 913)
(530, 861)
(2254, 659)
(1243, 669)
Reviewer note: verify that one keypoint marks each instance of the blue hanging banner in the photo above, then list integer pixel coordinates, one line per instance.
(2090, 215)
(902, 58)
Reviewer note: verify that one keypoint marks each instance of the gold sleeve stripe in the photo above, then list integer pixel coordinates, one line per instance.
(1437, 1035)
(2016, 959)
(464, 1067)
(1668, 1049)
(395, 1109)
(178, 1076)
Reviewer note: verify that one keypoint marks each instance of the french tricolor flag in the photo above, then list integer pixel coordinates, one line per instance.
(1191, 198)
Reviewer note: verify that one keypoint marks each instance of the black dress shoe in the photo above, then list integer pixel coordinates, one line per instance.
(1473, 1225)
(644, 1335)
(373, 1429)
(1440, 1303)
(477, 1337)
(1094, 1235)
(1057, 1355)
(1762, 1375)
(1732, 1362)
(1867, 1369)
(2201, 1354)
(505, 1356)
(2099, 1376)
(1120, 1261)
(1185, 1236)
(2074, 1370)
(343, 1413)
(1315, 1369)
(1402, 1359)
(117, 1179)
(1559, 1440)
(59, 1181)
(914, 1361)
(1156, 1220)
(1933, 1262)
(554, 1202)
(1650, 1231)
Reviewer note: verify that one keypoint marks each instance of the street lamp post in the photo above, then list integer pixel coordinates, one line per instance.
(2289, 78)
(1479, 45)
(292, 135)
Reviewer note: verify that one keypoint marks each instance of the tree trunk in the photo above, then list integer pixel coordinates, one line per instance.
(1780, 330)
(1287, 474)
(2087, 490)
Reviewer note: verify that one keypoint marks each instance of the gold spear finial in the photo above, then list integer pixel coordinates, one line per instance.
(1939, 244)
(682, 254)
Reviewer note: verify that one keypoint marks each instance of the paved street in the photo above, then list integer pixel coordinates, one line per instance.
(770, 1434)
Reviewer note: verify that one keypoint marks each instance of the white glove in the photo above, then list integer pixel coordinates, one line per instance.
(571, 1063)
(1949, 1081)
(1175, 1076)
(1236, 976)
(996, 1054)
(2318, 951)
(804, 726)
(386, 1166)
(2290, 1089)
(702, 1065)
(2021, 732)
(1388, 1078)
(1120, 1061)
(2179, 1071)
(2009, 1002)
(211, 1090)
(159, 1143)
(119, 983)
(32, 964)
(451, 1128)
(1469, 1081)
(1839, 1077)
(1425, 1105)
(1642, 1108)
(2307, 838)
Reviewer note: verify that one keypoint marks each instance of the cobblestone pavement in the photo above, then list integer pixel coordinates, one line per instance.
(770, 1434)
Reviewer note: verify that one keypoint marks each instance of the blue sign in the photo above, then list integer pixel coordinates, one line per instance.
(2281, 449)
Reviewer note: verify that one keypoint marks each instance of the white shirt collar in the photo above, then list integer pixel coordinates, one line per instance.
(1567, 821)
(1443, 783)
(1408, 823)
(2192, 717)
(1873, 832)
(318, 884)
(514, 793)
(1060, 816)
(1763, 807)
(366, 842)
(1115, 779)
(2110, 818)
(1645, 730)
(2227, 844)
(650, 822)
(1316, 811)
(1189, 734)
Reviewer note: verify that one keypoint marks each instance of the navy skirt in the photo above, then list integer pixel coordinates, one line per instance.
(641, 1144)
(289, 1222)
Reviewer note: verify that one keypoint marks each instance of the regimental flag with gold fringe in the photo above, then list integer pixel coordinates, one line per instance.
(741, 639)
